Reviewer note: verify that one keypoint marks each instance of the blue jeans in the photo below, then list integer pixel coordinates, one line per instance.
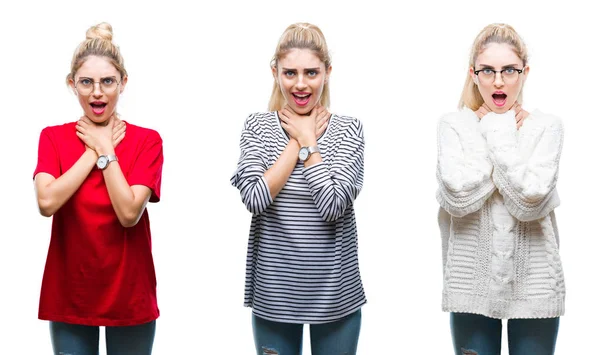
(474, 334)
(76, 339)
(275, 338)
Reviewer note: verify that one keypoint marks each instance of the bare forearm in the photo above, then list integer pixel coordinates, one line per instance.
(122, 196)
(52, 193)
(277, 175)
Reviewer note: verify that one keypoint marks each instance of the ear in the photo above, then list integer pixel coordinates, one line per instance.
(328, 72)
(473, 76)
(71, 84)
(525, 73)
(123, 83)
(274, 71)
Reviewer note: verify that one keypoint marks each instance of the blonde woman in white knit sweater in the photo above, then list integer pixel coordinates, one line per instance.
(497, 172)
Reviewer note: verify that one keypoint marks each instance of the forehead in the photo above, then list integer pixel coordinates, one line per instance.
(498, 55)
(300, 58)
(97, 67)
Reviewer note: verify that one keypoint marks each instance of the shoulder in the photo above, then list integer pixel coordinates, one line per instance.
(345, 125)
(142, 133)
(260, 119)
(460, 118)
(540, 119)
(60, 130)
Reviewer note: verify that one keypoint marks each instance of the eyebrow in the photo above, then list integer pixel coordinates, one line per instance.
(102, 77)
(485, 66)
(306, 69)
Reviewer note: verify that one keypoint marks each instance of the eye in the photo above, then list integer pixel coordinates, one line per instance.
(487, 71)
(289, 73)
(108, 81)
(510, 71)
(85, 81)
(312, 73)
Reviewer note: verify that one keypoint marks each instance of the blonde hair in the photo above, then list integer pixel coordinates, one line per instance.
(300, 36)
(98, 42)
(494, 33)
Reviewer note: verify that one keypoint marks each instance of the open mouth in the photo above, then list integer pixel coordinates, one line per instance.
(301, 98)
(98, 107)
(499, 98)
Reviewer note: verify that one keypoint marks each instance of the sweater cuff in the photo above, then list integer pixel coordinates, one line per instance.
(316, 176)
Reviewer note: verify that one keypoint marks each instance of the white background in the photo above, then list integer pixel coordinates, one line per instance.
(197, 72)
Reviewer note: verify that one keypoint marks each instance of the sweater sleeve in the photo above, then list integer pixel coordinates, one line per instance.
(252, 165)
(464, 169)
(525, 162)
(335, 185)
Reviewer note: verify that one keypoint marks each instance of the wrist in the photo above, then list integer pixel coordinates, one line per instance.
(105, 150)
(307, 141)
(90, 155)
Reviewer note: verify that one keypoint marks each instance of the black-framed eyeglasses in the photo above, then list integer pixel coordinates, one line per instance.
(507, 74)
(85, 86)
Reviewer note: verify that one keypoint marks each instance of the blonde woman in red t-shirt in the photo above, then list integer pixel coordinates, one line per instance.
(95, 177)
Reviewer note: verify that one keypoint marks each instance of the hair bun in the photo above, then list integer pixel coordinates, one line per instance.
(100, 31)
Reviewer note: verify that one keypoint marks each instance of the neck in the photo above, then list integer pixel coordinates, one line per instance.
(106, 122)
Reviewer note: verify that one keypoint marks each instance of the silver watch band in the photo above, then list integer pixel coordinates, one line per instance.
(313, 149)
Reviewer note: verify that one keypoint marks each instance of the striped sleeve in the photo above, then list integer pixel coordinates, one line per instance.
(334, 187)
(252, 165)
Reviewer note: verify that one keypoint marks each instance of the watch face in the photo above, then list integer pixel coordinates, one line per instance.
(303, 154)
(102, 161)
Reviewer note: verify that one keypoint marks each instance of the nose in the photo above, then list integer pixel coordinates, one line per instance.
(498, 79)
(300, 83)
(97, 92)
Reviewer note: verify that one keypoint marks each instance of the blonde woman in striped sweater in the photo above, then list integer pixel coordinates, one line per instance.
(299, 171)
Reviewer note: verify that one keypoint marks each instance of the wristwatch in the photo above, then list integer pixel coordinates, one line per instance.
(104, 160)
(306, 152)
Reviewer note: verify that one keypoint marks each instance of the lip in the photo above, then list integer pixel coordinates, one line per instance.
(98, 107)
(499, 98)
(301, 98)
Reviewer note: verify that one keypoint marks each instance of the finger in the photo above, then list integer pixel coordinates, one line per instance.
(517, 109)
(479, 113)
(321, 118)
(322, 129)
(313, 114)
(320, 110)
(118, 123)
(117, 134)
(519, 124)
(519, 117)
(283, 117)
(285, 111)
(119, 139)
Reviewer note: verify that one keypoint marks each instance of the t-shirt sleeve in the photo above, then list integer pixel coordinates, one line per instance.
(147, 169)
(48, 161)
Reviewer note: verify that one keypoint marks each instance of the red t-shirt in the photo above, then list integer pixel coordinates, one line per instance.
(97, 271)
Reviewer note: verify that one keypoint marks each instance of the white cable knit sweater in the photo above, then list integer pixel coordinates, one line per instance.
(497, 192)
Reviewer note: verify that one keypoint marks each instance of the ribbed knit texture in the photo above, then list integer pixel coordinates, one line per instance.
(302, 263)
(497, 192)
